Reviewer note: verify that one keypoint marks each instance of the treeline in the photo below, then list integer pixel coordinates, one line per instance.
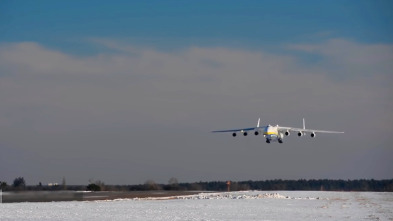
(306, 185)
(174, 185)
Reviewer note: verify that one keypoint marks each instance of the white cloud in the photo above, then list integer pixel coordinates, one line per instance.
(156, 83)
(353, 58)
(147, 97)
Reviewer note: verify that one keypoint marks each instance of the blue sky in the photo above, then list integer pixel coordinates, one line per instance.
(173, 24)
(128, 91)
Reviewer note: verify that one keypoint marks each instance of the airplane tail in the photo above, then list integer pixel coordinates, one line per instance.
(259, 119)
(304, 124)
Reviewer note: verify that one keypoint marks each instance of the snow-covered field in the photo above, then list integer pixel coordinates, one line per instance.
(249, 205)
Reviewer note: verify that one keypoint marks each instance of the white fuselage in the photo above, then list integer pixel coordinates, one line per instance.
(271, 133)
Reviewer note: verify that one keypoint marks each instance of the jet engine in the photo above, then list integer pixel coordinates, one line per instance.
(313, 134)
(256, 133)
(300, 134)
(245, 133)
(287, 133)
(234, 135)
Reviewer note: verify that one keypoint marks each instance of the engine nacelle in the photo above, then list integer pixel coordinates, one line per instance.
(256, 133)
(287, 133)
(313, 134)
(245, 133)
(234, 135)
(300, 134)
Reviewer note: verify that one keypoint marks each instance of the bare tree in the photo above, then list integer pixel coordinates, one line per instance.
(151, 185)
(63, 183)
(3, 185)
(173, 181)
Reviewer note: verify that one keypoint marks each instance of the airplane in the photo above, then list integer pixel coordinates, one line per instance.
(275, 133)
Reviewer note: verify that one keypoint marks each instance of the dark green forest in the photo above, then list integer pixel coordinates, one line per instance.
(19, 184)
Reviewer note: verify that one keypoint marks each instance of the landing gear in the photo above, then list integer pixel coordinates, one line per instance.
(267, 141)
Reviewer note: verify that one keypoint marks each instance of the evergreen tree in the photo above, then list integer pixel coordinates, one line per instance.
(19, 183)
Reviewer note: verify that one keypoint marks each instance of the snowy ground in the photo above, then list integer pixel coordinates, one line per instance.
(250, 205)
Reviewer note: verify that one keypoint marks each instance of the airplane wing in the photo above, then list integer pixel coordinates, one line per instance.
(307, 130)
(302, 130)
(257, 128)
(237, 130)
